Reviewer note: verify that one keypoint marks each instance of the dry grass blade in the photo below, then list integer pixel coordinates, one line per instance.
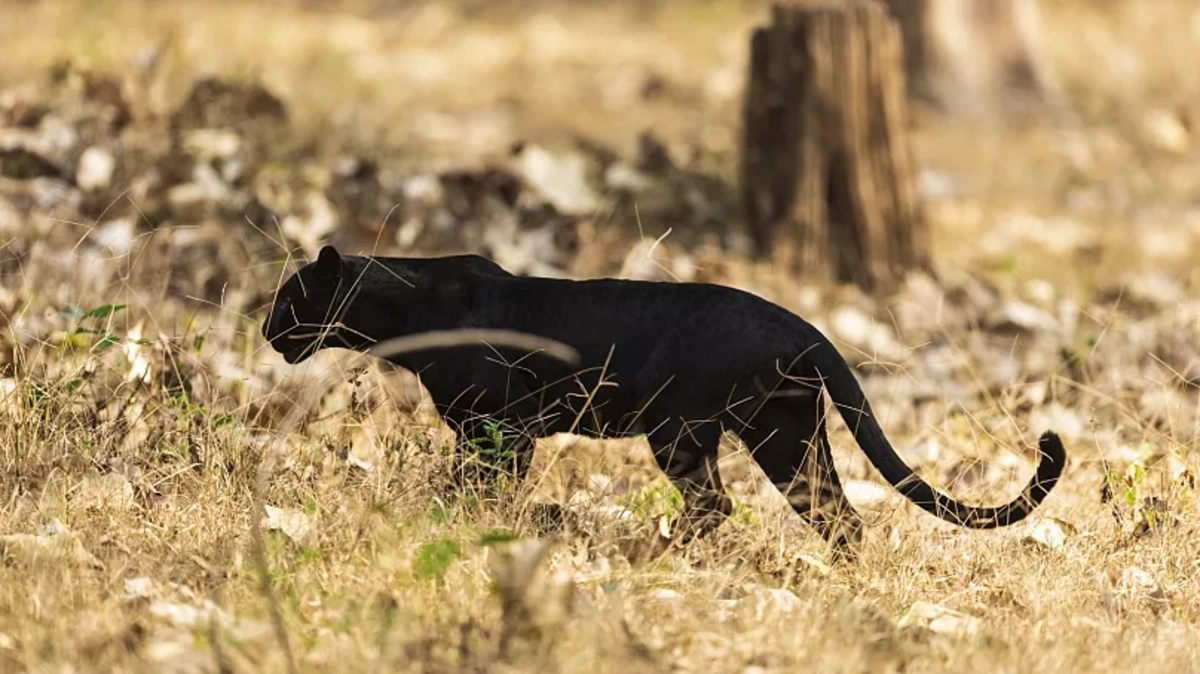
(443, 339)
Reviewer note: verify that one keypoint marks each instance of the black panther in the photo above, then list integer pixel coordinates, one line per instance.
(681, 363)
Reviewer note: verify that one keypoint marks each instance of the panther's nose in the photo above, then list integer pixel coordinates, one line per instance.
(273, 323)
(266, 326)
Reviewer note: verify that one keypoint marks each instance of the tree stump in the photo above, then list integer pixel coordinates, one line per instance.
(827, 175)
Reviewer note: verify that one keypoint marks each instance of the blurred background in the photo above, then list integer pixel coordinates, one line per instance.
(364, 110)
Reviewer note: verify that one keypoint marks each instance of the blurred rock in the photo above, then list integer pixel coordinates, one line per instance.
(652, 155)
(95, 170)
(873, 339)
(359, 198)
(1167, 131)
(1016, 317)
(214, 103)
(94, 94)
(1142, 290)
(22, 163)
(562, 179)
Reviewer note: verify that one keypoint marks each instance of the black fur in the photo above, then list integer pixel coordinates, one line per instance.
(680, 362)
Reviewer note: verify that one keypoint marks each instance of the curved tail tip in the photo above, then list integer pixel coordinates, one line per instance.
(1054, 455)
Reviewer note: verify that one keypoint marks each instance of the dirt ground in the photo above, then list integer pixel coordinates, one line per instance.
(174, 497)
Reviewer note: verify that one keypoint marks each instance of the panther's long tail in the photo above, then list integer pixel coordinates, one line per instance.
(852, 403)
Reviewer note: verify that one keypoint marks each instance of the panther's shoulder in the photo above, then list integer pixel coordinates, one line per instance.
(443, 266)
(478, 264)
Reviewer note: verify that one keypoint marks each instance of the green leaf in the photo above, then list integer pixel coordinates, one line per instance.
(434, 558)
(102, 311)
(496, 536)
(106, 341)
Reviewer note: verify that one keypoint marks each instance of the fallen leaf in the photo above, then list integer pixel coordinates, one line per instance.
(1138, 582)
(295, 524)
(56, 545)
(139, 588)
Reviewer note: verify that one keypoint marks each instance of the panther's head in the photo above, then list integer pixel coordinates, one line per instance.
(311, 308)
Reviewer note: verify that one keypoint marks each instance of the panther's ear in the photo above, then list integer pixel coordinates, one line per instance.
(329, 263)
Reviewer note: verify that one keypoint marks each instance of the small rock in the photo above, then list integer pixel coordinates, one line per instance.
(773, 600)
(1048, 532)
(939, 619)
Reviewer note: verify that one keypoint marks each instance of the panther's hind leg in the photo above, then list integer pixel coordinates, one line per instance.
(786, 436)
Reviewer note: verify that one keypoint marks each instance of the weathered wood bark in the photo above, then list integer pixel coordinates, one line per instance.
(974, 55)
(827, 175)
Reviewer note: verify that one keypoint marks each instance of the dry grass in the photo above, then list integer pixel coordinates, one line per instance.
(132, 467)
